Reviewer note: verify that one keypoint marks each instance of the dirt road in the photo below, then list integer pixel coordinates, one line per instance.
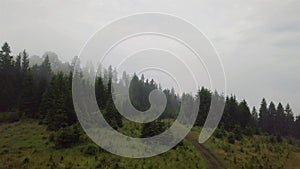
(211, 161)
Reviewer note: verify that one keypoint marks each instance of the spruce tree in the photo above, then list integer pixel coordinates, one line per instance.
(271, 119)
(7, 83)
(100, 93)
(153, 128)
(263, 115)
(112, 116)
(205, 101)
(280, 121)
(28, 102)
(244, 114)
(289, 120)
(25, 62)
(55, 103)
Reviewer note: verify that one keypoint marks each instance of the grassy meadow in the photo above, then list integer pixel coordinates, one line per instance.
(253, 152)
(25, 144)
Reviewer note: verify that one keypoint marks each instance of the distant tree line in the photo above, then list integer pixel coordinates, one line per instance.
(275, 120)
(38, 92)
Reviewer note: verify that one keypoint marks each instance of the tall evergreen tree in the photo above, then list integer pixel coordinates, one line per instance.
(230, 115)
(254, 120)
(297, 127)
(112, 116)
(6, 59)
(153, 128)
(25, 62)
(280, 121)
(28, 102)
(289, 120)
(17, 79)
(100, 93)
(254, 115)
(56, 103)
(271, 119)
(6, 83)
(244, 114)
(263, 115)
(205, 100)
(43, 76)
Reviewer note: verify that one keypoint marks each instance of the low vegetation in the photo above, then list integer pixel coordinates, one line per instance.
(251, 152)
(27, 144)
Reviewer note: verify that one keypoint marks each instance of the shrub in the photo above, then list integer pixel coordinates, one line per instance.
(231, 139)
(279, 139)
(226, 148)
(66, 137)
(219, 134)
(238, 136)
(101, 164)
(238, 132)
(249, 131)
(90, 150)
(272, 139)
(9, 117)
(179, 145)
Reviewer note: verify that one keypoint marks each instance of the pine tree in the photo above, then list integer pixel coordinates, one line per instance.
(18, 64)
(254, 115)
(100, 93)
(28, 102)
(297, 127)
(6, 59)
(230, 115)
(153, 128)
(55, 103)
(271, 119)
(25, 62)
(112, 116)
(279, 121)
(263, 115)
(205, 101)
(289, 120)
(7, 83)
(135, 94)
(244, 114)
(17, 80)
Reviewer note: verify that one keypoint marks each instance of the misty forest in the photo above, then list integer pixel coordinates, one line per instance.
(39, 127)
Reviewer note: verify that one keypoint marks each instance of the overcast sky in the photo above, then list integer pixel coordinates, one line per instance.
(258, 40)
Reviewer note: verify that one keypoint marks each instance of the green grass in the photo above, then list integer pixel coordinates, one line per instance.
(252, 152)
(25, 144)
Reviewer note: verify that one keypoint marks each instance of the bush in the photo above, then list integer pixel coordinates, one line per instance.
(249, 131)
(231, 139)
(238, 136)
(90, 150)
(179, 145)
(219, 134)
(9, 117)
(272, 139)
(66, 137)
(238, 132)
(279, 139)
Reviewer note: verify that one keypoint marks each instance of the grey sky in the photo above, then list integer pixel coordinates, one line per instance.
(258, 40)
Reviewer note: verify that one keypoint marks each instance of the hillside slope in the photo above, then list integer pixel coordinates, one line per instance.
(26, 144)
